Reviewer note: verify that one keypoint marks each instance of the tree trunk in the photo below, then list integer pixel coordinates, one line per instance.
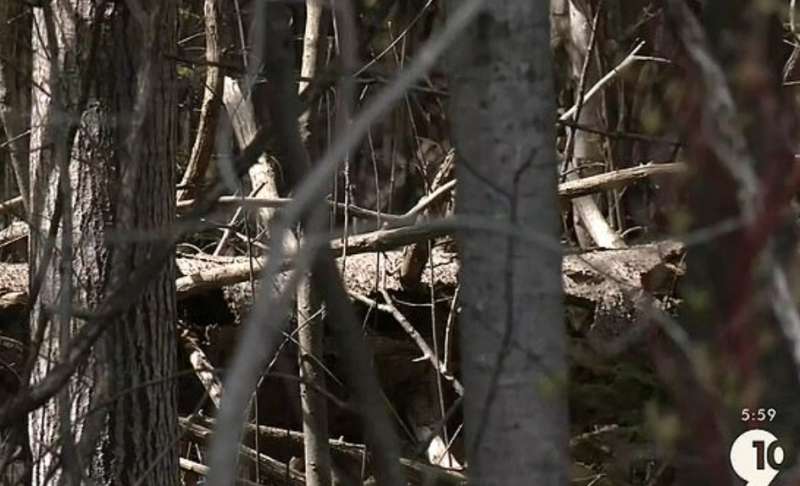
(313, 45)
(512, 331)
(310, 330)
(115, 183)
(314, 404)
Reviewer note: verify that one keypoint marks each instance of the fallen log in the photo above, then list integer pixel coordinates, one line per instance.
(566, 191)
(608, 293)
(273, 469)
(605, 285)
(588, 276)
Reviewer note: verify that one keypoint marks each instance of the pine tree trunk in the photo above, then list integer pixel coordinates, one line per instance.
(511, 324)
(114, 184)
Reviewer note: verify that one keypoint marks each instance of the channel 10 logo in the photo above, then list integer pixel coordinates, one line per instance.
(756, 457)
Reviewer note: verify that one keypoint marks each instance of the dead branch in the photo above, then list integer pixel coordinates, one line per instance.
(399, 232)
(416, 472)
(289, 440)
(566, 191)
(616, 179)
(197, 468)
(275, 470)
(209, 112)
(590, 223)
(604, 285)
(203, 368)
(12, 206)
(13, 232)
(427, 352)
(632, 57)
(416, 255)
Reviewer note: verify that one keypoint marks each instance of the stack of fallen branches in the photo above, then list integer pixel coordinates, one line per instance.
(403, 224)
(348, 458)
(588, 277)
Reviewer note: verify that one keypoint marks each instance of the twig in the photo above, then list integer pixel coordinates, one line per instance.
(427, 352)
(209, 112)
(566, 190)
(391, 220)
(448, 331)
(202, 367)
(582, 85)
(630, 59)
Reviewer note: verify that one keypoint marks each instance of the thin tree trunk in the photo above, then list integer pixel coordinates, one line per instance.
(120, 179)
(590, 224)
(312, 45)
(203, 147)
(512, 330)
(284, 110)
(314, 404)
(310, 331)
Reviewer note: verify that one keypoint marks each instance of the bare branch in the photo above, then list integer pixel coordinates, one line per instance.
(209, 112)
(245, 365)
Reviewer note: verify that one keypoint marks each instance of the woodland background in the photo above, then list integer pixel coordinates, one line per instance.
(396, 242)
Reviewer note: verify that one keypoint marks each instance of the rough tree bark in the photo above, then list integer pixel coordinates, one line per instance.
(111, 89)
(512, 332)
